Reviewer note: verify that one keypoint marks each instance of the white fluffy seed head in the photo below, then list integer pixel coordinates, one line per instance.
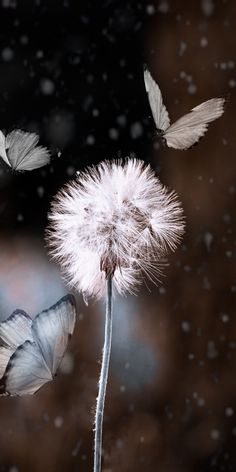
(114, 219)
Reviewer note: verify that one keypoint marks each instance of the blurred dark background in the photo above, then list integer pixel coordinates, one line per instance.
(73, 72)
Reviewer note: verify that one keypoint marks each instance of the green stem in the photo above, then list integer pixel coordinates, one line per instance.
(103, 380)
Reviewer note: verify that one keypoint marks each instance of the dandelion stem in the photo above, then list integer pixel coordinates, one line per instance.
(103, 379)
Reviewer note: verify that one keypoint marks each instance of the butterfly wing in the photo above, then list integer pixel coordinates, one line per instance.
(13, 332)
(16, 329)
(188, 129)
(3, 148)
(24, 152)
(5, 354)
(26, 371)
(159, 112)
(52, 329)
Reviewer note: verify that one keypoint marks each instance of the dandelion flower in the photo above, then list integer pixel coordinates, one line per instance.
(20, 150)
(114, 219)
(111, 226)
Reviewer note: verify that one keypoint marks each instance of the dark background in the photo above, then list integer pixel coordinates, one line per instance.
(73, 72)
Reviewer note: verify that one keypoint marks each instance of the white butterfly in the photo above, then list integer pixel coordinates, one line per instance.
(20, 150)
(32, 350)
(188, 129)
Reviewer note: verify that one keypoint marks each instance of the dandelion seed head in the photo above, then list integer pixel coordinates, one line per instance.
(114, 219)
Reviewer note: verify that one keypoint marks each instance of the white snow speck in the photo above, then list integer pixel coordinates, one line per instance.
(24, 39)
(77, 448)
(90, 78)
(20, 217)
(121, 120)
(207, 7)
(232, 83)
(7, 54)
(189, 79)
(90, 140)
(201, 402)
(136, 130)
(122, 63)
(119, 443)
(40, 191)
(215, 434)
(163, 6)
(113, 134)
(212, 352)
(9, 4)
(229, 411)
(203, 42)
(192, 88)
(39, 54)
(47, 86)
(70, 170)
(162, 290)
(95, 112)
(206, 284)
(208, 239)
(182, 48)
(226, 218)
(150, 9)
(225, 317)
(58, 421)
(185, 326)
(232, 189)
(223, 65)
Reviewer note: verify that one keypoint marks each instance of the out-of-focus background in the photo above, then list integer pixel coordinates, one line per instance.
(73, 72)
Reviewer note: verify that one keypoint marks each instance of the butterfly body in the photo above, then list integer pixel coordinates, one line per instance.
(32, 350)
(187, 130)
(160, 134)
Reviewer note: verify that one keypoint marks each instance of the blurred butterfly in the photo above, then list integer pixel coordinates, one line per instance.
(20, 150)
(188, 129)
(32, 349)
